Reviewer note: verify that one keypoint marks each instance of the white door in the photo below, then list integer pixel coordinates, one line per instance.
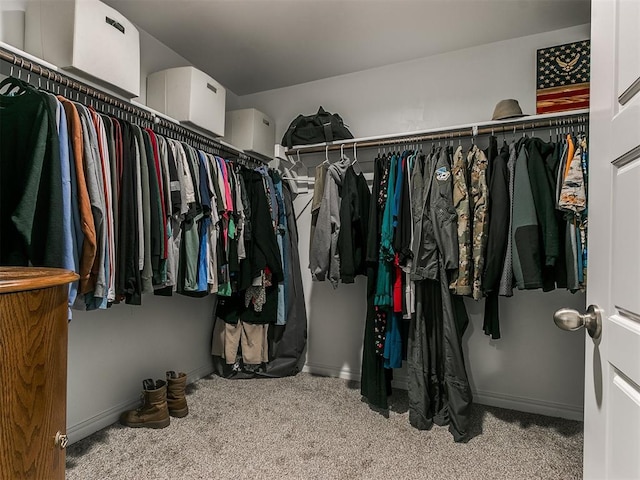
(612, 386)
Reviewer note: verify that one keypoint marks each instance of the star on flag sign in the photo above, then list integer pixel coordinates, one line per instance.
(563, 77)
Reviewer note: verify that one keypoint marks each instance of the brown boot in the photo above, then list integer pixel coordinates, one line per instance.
(154, 412)
(175, 394)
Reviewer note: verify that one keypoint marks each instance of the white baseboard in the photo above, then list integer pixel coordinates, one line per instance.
(330, 371)
(530, 405)
(493, 399)
(104, 419)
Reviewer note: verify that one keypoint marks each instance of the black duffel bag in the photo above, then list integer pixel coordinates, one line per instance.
(319, 128)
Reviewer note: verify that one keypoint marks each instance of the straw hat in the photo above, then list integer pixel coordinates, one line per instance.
(509, 108)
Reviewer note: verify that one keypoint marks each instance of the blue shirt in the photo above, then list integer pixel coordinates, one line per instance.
(70, 255)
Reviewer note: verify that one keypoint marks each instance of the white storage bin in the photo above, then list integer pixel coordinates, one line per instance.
(252, 131)
(87, 37)
(190, 96)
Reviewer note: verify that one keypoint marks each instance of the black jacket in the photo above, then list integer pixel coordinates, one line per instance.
(376, 206)
(352, 241)
(364, 199)
(543, 182)
(499, 215)
(264, 246)
(128, 281)
(402, 235)
(30, 182)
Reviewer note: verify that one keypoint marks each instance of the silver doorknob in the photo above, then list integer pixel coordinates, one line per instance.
(570, 320)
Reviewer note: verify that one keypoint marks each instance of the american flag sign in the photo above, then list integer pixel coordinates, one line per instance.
(563, 77)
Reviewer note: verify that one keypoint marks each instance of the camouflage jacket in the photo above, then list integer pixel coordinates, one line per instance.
(478, 202)
(461, 280)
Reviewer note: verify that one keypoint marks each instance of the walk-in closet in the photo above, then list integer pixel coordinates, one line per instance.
(308, 240)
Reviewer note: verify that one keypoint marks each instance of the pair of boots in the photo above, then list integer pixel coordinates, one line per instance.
(161, 399)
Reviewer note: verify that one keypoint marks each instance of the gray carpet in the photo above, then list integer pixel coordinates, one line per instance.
(309, 427)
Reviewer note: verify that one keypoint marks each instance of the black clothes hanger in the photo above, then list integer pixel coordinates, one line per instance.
(13, 83)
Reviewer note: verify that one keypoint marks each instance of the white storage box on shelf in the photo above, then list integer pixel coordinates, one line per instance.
(88, 38)
(252, 131)
(190, 96)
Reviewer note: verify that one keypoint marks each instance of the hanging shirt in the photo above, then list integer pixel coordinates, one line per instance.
(84, 226)
(527, 255)
(386, 240)
(157, 164)
(424, 249)
(384, 287)
(325, 259)
(573, 195)
(108, 198)
(462, 283)
(31, 196)
(95, 187)
(155, 220)
(506, 279)
(479, 200)
(70, 250)
(318, 194)
(499, 218)
(128, 279)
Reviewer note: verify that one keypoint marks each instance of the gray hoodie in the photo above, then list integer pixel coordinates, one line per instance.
(324, 258)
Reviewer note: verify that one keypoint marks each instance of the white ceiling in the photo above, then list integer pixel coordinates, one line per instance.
(256, 45)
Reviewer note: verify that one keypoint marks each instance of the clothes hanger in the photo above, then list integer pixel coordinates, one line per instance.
(14, 83)
(342, 155)
(291, 171)
(326, 155)
(355, 157)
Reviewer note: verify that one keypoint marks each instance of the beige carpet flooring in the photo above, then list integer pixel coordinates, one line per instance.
(309, 427)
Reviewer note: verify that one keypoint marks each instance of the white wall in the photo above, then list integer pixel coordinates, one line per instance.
(112, 351)
(448, 89)
(535, 366)
(12, 23)
(155, 56)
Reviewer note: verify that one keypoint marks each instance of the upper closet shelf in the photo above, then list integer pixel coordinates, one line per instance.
(550, 120)
(44, 73)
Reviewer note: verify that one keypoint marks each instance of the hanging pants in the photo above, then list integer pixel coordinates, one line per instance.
(439, 390)
(252, 338)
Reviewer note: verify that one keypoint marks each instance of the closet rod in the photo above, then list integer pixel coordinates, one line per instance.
(204, 141)
(60, 79)
(160, 124)
(534, 122)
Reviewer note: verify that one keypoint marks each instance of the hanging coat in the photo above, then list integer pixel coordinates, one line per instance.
(527, 251)
(498, 233)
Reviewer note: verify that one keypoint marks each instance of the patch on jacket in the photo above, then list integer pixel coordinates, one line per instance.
(442, 174)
